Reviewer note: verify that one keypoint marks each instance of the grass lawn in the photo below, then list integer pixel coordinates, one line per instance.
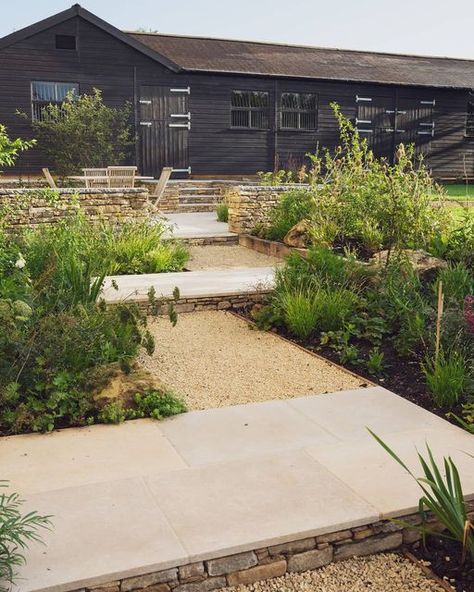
(459, 191)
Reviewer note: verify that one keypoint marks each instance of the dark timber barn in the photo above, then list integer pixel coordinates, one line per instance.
(212, 107)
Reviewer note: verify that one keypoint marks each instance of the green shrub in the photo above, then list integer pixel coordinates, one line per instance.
(223, 212)
(84, 132)
(335, 306)
(158, 405)
(293, 207)
(458, 282)
(446, 377)
(443, 496)
(375, 361)
(154, 404)
(300, 311)
(10, 149)
(17, 530)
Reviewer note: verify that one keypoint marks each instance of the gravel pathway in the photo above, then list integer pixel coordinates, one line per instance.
(223, 257)
(213, 359)
(377, 573)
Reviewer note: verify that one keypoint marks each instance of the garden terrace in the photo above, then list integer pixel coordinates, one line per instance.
(276, 486)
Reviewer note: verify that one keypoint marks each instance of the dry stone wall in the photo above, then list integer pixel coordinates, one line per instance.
(269, 562)
(32, 207)
(251, 205)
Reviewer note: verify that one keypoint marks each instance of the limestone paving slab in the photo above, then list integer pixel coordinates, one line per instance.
(379, 408)
(101, 531)
(197, 225)
(135, 498)
(77, 456)
(367, 468)
(243, 431)
(218, 509)
(191, 284)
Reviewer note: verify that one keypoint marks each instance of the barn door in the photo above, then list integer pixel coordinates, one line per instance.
(375, 121)
(165, 122)
(416, 120)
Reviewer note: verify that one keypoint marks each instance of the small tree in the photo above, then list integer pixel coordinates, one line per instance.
(84, 132)
(10, 149)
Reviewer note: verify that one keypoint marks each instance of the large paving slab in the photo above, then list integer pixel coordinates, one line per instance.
(197, 225)
(194, 284)
(215, 482)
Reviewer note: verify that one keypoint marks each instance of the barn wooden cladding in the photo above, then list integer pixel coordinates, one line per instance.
(222, 107)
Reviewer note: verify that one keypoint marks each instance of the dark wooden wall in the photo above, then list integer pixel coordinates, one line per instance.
(215, 149)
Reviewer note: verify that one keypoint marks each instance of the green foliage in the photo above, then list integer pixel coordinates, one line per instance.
(456, 242)
(17, 530)
(446, 377)
(102, 249)
(154, 404)
(293, 206)
(375, 362)
(300, 311)
(443, 496)
(370, 202)
(458, 282)
(84, 132)
(223, 212)
(10, 149)
(283, 177)
(158, 405)
(57, 331)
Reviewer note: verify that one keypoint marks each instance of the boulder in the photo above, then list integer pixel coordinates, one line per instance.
(422, 262)
(299, 236)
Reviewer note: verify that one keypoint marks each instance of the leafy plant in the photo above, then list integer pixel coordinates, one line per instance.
(158, 404)
(446, 377)
(154, 404)
(300, 310)
(17, 531)
(458, 282)
(443, 496)
(10, 149)
(375, 361)
(84, 132)
(293, 207)
(223, 212)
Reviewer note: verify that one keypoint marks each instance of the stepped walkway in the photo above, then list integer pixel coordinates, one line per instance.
(147, 497)
(214, 283)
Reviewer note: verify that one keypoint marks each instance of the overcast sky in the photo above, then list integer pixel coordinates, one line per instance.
(436, 27)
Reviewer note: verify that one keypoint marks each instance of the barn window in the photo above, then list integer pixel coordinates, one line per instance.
(49, 93)
(249, 109)
(65, 42)
(298, 111)
(470, 116)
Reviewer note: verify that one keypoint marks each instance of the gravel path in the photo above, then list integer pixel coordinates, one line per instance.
(377, 573)
(223, 257)
(213, 359)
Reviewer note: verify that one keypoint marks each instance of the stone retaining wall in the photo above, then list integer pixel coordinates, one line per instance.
(196, 303)
(33, 207)
(251, 205)
(273, 561)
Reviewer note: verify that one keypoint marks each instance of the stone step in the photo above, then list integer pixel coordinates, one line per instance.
(199, 199)
(202, 207)
(199, 190)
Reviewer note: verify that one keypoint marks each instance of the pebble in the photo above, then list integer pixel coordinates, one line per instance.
(387, 572)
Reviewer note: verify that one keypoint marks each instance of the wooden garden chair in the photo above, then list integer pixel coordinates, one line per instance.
(122, 176)
(96, 178)
(161, 184)
(49, 178)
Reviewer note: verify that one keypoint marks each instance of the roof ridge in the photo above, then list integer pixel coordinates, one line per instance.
(300, 46)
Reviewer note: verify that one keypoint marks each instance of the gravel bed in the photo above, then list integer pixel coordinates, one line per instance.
(223, 257)
(377, 573)
(213, 359)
